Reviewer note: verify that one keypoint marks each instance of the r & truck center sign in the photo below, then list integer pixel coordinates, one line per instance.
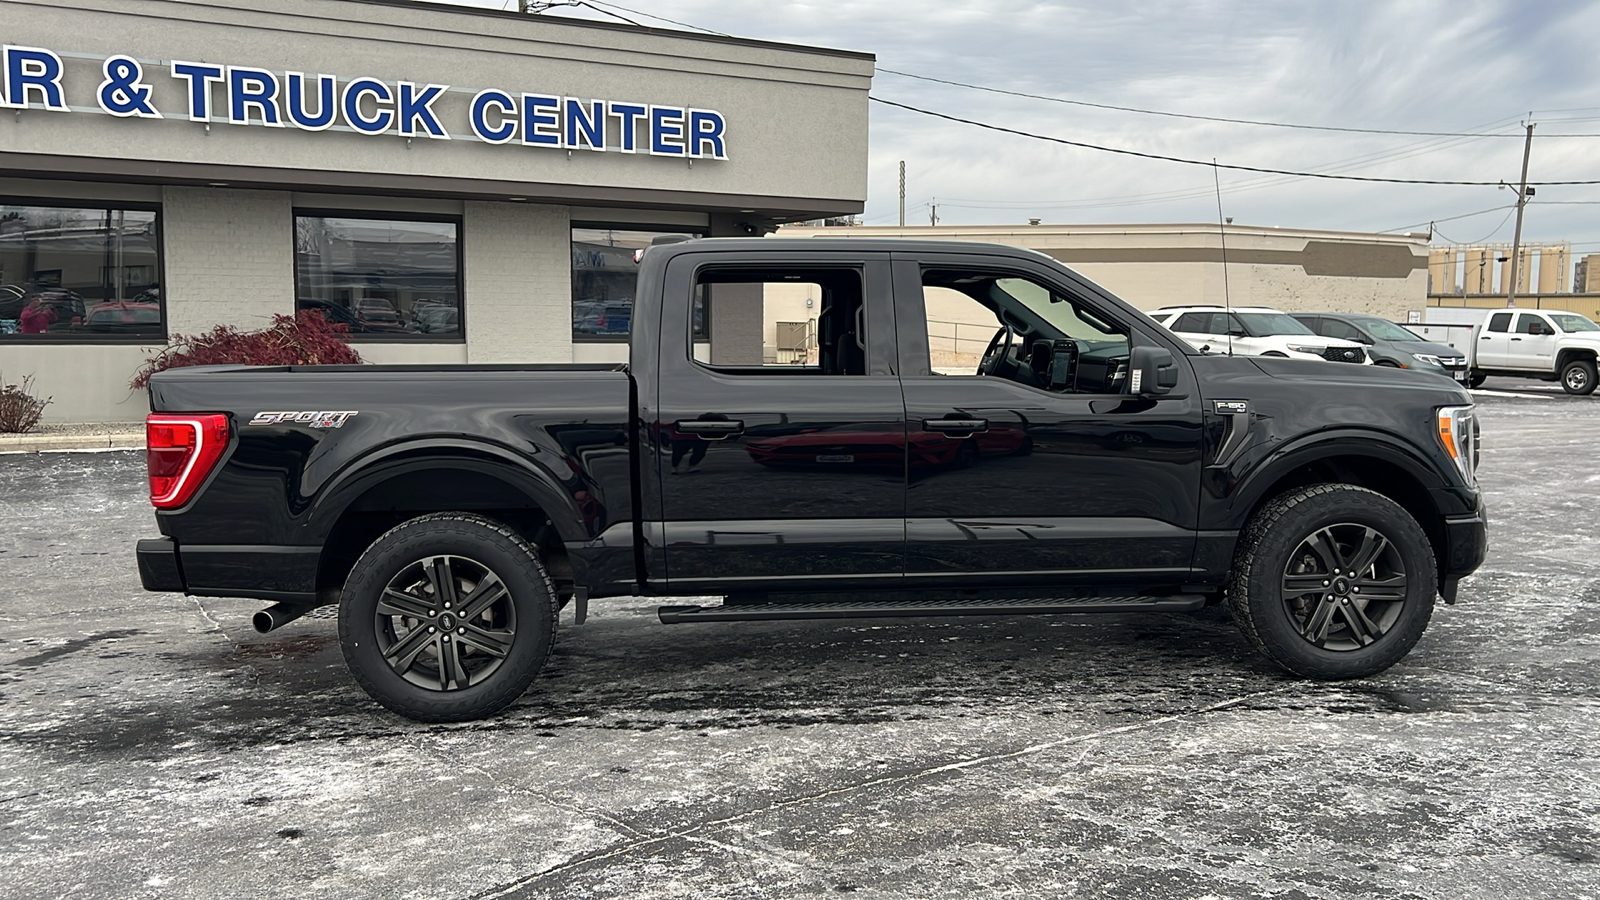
(365, 105)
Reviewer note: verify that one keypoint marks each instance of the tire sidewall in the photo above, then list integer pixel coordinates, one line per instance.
(467, 536)
(1264, 565)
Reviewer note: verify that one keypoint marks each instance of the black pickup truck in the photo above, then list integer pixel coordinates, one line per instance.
(898, 458)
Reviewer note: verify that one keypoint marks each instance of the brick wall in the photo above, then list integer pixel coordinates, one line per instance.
(518, 274)
(229, 257)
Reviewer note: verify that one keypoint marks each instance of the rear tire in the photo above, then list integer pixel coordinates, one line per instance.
(1578, 377)
(447, 617)
(1476, 379)
(1293, 595)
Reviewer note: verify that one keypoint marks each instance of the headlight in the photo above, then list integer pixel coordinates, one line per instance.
(1305, 348)
(1458, 432)
(1427, 358)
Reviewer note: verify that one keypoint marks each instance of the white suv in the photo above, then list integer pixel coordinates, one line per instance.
(1255, 331)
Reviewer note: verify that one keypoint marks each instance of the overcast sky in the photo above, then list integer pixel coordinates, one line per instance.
(1414, 65)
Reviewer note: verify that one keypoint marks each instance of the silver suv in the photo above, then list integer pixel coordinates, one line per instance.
(1255, 331)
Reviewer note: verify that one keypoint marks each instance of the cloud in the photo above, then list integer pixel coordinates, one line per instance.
(1419, 65)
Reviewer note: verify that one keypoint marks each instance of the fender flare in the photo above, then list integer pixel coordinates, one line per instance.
(1340, 442)
(364, 473)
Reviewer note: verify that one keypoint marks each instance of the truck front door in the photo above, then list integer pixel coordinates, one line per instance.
(1533, 347)
(775, 448)
(1030, 460)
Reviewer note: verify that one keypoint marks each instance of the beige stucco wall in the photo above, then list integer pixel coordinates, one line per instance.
(1152, 266)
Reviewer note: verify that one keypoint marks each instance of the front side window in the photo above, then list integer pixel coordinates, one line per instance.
(1385, 330)
(994, 325)
(1532, 323)
(79, 272)
(380, 277)
(605, 275)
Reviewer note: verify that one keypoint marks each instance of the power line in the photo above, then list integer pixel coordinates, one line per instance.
(1492, 233)
(1196, 162)
(1451, 218)
(639, 12)
(1178, 115)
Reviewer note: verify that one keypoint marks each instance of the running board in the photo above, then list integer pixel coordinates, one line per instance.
(756, 612)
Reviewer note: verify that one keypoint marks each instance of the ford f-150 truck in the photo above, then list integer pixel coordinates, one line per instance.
(1087, 460)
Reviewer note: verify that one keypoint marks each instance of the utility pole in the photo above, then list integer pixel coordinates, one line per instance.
(1523, 193)
(933, 214)
(902, 193)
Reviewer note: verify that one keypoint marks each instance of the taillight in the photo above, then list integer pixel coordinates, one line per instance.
(180, 451)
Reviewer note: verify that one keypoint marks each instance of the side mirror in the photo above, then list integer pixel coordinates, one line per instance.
(1151, 371)
(1537, 328)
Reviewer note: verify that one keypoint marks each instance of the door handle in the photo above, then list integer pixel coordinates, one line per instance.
(956, 426)
(1516, 339)
(1484, 338)
(710, 429)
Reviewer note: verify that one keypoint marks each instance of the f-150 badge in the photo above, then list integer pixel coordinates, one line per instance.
(311, 418)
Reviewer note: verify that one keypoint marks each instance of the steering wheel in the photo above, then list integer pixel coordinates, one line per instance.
(999, 345)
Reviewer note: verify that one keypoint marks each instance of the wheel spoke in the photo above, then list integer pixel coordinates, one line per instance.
(1391, 588)
(493, 642)
(1361, 627)
(1317, 623)
(1300, 585)
(1327, 550)
(452, 676)
(488, 591)
(1372, 545)
(443, 580)
(395, 603)
(403, 654)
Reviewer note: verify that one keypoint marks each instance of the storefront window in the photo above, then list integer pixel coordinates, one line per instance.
(382, 278)
(604, 276)
(79, 273)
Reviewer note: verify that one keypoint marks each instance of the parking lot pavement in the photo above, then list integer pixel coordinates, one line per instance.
(153, 745)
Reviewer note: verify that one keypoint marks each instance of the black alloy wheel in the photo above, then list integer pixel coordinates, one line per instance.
(447, 617)
(1333, 581)
(1344, 587)
(445, 623)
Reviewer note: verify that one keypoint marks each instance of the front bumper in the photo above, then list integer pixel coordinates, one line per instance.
(1466, 541)
(158, 565)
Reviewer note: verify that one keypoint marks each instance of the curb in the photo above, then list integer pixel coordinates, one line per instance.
(40, 443)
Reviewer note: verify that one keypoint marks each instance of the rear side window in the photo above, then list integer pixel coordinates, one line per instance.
(1500, 322)
(1336, 329)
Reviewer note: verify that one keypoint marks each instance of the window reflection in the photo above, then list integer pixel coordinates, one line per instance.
(79, 271)
(604, 278)
(380, 277)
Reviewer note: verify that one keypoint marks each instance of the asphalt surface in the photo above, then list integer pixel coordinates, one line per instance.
(153, 745)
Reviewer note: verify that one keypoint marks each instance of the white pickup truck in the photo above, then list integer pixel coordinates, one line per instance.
(1547, 344)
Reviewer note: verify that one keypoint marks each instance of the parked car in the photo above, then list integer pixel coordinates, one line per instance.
(123, 317)
(450, 511)
(1255, 331)
(1547, 344)
(1389, 344)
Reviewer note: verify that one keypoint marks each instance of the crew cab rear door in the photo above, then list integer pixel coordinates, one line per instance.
(1044, 468)
(1494, 342)
(784, 467)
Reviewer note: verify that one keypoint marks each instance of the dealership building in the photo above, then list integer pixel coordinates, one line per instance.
(454, 185)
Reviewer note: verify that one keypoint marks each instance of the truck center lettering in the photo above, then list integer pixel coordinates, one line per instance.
(31, 78)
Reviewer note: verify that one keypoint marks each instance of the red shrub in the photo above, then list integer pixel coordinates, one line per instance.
(306, 339)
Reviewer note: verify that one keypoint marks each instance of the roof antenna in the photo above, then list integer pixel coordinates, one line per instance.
(1222, 234)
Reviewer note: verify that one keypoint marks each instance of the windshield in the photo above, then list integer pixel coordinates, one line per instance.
(1570, 322)
(1388, 331)
(1263, 324)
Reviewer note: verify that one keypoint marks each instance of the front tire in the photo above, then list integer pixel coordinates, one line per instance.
(1578, 377)
(447, 617)
(1333, 581)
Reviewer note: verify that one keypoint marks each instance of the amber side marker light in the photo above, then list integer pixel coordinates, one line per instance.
(180, 451)
(1458, 432)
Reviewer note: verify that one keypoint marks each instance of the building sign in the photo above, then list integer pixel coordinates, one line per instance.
(30, 78)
